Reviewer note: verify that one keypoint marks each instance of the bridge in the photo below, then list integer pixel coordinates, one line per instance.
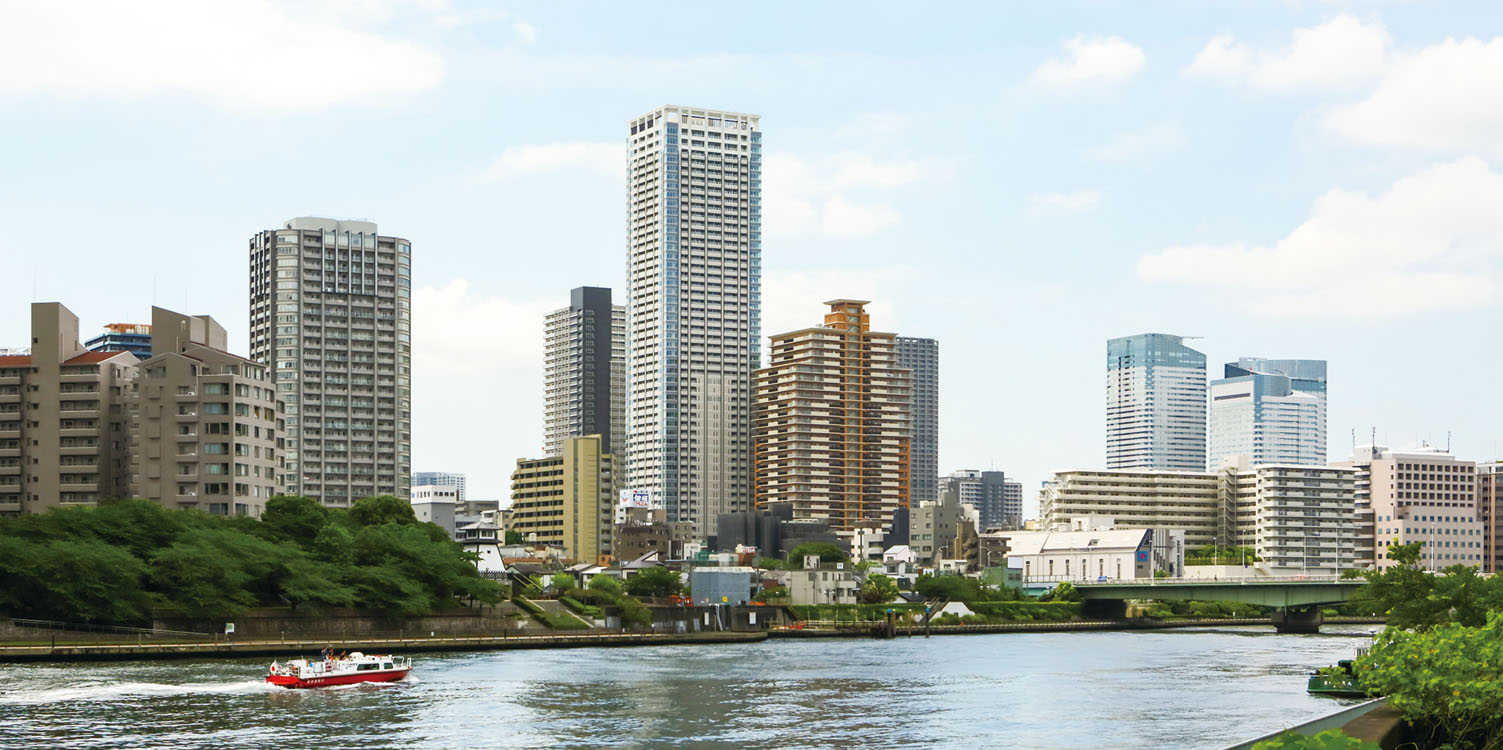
(1299, 598)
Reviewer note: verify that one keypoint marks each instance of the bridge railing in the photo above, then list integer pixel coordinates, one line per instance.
(1313, 578)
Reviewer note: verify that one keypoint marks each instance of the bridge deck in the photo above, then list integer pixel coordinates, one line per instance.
(1268, 591)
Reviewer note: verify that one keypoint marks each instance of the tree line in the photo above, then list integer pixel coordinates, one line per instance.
(121, 561)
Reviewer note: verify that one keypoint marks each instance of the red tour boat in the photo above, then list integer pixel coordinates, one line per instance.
(356, 667)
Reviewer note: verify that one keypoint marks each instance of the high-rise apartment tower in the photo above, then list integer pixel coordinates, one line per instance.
(584, 370)
(921, 358)
(694, 245)
(331, 315)
(1273, 411)
(441, 479)
(1155, 404)
(831, 423)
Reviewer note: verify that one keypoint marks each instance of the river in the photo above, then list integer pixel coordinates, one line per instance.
(1200, 688)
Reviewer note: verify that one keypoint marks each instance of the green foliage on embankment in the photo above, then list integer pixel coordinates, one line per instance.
(118, 562)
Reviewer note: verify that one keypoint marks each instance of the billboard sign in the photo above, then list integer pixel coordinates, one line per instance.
(636, 498)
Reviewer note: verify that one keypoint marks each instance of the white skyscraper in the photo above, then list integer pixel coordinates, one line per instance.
(1155, 403)
(1273, 411)
(331, 315)
(694, 243)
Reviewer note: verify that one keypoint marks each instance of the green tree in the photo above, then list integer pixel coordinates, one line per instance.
(85, 580)
(1063, 591)
(828, 553)
(1447, 678)
(1330, 739)
(561, 582)
(514, 537)
(382, 509)
(335, 544)
(294, 518)
(634, 614)
(878, 589)
(606, 584)
(654, 582)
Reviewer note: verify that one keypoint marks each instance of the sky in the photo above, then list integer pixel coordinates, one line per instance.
(1021, 181)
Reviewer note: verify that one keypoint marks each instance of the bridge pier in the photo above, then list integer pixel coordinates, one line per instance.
(1298, 619)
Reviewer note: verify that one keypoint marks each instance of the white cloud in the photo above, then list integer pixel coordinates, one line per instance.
(1132, 145)
(1433, 241)
(243, 54)
(1063, 203)
(875, 124)
(517, 161)
(460, 333)
(832, 194)
(1341, 52)
(525, 31)
(469, 17)
(1446, 98)
(1090, 59)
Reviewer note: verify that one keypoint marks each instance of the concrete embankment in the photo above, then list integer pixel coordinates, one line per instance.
(309, 647)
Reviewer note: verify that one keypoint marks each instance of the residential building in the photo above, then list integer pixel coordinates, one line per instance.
(1155, 404)
(1424, 494)
(1489, 505)
(123, 337)
(439, 505)
(205, 425)
(644, 530)
(935, 528)
(997, 505)
(831, 422)
(920, 357)
(442, 479)
(826, 584)
(1295, 517)
(1271, 410)
(63, 424)
(567, 499)
(1140, 499)
(331, 315)
(584, 370)
(694, 269)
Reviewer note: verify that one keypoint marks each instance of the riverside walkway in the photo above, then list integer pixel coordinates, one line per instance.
(302, 647)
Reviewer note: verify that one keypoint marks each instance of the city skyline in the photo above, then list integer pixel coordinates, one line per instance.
(1110, 229)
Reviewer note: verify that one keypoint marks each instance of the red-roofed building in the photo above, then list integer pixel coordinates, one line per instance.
(63, 423)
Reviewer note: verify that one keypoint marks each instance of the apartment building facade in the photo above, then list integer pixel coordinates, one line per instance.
(920, 357)
(997, 505)
(1489, 505)
(205, 425)
(832, 423)
(64, 436)
(694, 268)
(584, 370)
(441, 479)
(331, 316)
(568, 499)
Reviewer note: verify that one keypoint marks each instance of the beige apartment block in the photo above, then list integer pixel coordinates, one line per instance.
(1489, 505)
(831, 422)
(63, 437)
(567, 500)
(205, 424)
(1422, 495)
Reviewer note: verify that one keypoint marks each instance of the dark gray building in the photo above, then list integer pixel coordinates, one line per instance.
(921, 356)
(998, 502)
(773, 532)
(584, 371)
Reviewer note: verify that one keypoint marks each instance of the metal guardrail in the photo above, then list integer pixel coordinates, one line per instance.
(1201, 581)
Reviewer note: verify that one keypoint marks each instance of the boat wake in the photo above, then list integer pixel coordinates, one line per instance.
(127, 690)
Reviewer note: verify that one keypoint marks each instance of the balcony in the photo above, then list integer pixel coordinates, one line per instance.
(78, 450)
(78, 486)
(79, 413)
(74, 431)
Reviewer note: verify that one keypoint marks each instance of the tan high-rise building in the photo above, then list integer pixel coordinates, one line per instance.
(205, 424)
(831, 421)
(568, 499)
(1421, 495)
(63, 438)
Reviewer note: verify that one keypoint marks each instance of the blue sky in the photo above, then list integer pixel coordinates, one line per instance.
(1019, 180)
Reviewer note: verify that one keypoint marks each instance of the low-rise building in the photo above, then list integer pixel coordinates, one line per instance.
(722, 585)
(438, 504)
(1053, 556)
(826, 584)
(936, 527)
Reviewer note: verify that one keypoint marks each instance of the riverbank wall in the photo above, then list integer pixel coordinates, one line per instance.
(867, 629)
(234, 649)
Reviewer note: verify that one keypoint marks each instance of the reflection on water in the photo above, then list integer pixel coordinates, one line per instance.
(1049, 690)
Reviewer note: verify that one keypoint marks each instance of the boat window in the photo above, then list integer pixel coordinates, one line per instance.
(367, 667)
(387, 665)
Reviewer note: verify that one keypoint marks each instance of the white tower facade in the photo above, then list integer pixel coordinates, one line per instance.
(694, 245)
(1155, 404)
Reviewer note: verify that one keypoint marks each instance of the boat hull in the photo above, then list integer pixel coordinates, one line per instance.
(293, 681)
